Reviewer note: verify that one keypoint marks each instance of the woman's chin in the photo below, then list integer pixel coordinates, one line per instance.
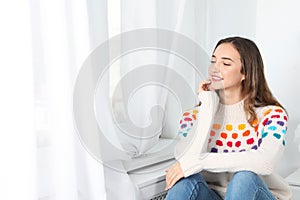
(216, 86)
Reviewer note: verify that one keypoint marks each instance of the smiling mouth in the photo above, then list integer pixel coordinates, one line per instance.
(216, 78)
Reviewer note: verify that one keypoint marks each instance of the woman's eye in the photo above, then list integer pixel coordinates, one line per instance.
(226, 64)
(212, 61)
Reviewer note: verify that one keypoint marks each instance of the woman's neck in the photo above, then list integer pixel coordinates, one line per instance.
(229, 98)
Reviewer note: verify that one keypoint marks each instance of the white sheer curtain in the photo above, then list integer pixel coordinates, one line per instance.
(49, 42)
(179, 17)
(146, 102)
(61, 42)
(17, 143)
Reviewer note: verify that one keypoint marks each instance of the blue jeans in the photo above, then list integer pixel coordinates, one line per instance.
(244, 185)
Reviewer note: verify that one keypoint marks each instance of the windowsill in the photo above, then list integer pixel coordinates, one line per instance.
(294, 181)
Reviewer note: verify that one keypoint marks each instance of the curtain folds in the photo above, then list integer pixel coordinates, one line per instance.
(57, 162)
(61, 42)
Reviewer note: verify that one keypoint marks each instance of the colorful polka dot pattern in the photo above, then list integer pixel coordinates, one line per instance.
(231, 138)
(275, 124)
(187, 121)
(242, 137)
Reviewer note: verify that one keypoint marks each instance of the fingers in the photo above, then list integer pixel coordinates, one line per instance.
(169, 179)
(204, 86)
(173, 181)
(174, 173)
(200, 86)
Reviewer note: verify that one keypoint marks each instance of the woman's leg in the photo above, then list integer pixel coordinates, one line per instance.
(192, 187)
(247, 185)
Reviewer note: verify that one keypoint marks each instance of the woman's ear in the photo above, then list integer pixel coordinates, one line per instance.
(243, 78)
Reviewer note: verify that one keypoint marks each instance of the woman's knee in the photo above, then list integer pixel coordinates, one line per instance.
(244, 176)
(185, 187)
(242, 180)
(246, 184)
(189, 182)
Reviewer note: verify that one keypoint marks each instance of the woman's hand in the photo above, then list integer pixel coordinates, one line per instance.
(204, 86)
(174, 173)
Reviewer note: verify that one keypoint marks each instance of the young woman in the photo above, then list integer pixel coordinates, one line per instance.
(239, 134)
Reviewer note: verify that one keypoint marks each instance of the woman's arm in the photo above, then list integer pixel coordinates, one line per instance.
(272, 127)
(195, 140)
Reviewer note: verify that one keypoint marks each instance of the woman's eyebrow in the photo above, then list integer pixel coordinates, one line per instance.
(226, 58)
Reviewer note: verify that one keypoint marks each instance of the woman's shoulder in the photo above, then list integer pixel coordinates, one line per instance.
(271, 111)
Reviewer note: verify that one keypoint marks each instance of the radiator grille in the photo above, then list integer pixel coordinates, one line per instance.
(160, 196)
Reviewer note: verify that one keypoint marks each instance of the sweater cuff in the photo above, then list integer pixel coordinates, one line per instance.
(187, 169)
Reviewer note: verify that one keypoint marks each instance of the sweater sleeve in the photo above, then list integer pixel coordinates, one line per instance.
(195, 138)
(272, 130)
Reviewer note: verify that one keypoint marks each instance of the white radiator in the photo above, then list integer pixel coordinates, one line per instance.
(148, 171)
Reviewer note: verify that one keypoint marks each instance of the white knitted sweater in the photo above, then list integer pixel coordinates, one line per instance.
(219, 141)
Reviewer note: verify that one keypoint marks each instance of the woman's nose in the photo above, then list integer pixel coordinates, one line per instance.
(214, 67)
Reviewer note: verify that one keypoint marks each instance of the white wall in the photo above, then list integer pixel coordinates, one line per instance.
(278, 36)
(274, 27)
(230, 18)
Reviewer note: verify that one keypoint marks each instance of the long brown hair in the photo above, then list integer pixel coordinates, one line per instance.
(255, 89)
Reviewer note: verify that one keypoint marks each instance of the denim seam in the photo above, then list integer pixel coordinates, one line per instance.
(261, 189)
(200, 183)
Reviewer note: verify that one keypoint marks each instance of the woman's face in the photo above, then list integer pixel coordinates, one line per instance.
(225, 69)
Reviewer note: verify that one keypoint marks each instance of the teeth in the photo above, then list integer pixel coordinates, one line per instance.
(217, 78)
